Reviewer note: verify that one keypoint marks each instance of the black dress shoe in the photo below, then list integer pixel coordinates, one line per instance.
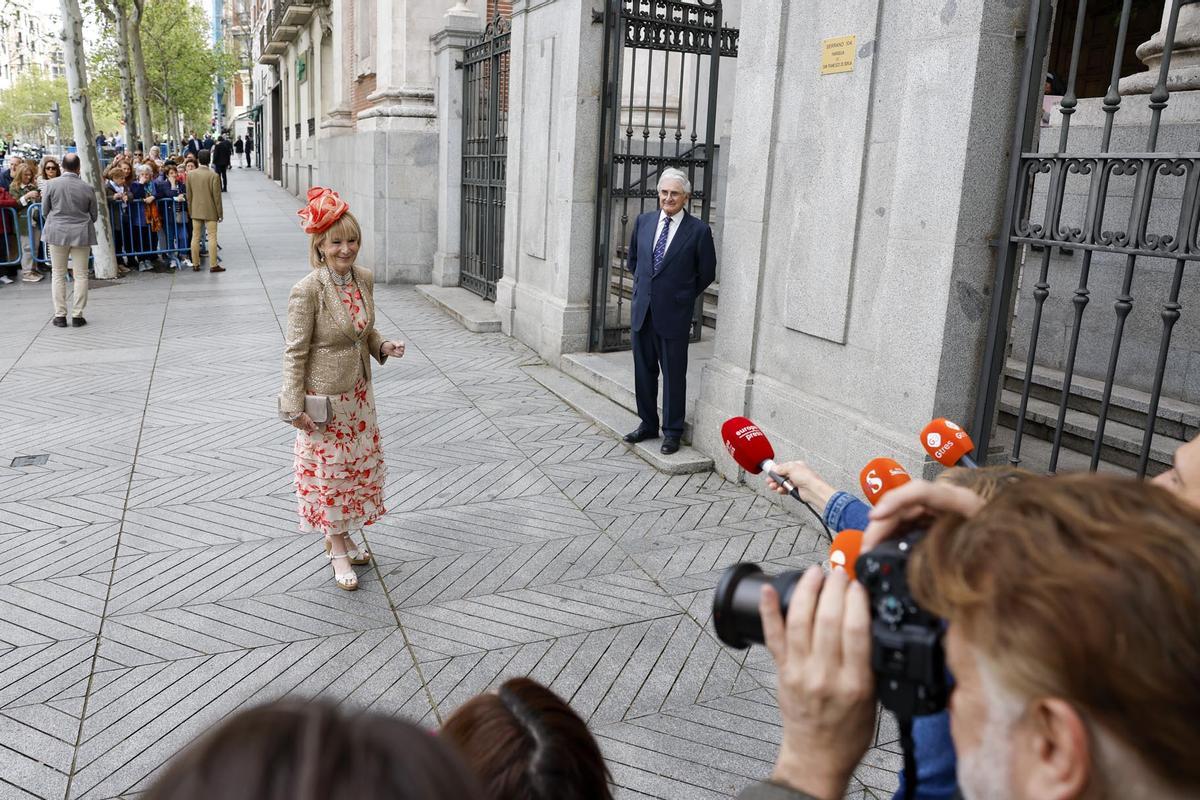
(78, 322)
(640, 435)
(60, 322)
(670, 446)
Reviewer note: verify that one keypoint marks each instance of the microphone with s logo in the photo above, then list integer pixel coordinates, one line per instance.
(880, 476)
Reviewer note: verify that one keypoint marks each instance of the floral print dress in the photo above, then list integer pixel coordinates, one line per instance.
(340, 470)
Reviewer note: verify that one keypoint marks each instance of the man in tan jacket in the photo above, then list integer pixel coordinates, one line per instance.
(204, 206)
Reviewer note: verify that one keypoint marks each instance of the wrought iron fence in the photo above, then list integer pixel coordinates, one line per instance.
(1103, 204)
(485, 159)
(661, 70)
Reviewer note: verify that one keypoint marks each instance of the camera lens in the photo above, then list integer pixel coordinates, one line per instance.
(735, 602)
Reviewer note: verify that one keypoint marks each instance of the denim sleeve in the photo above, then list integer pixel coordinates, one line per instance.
(936, 762)
(844, 511)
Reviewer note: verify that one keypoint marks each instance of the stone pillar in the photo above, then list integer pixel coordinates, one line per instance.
(859, 296)
(404, 75)
(461, 27)
(553, 138)
(398, 137)
(336, 118)
(1184, 71)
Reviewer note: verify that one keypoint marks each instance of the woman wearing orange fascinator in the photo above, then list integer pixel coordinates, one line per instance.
(327, 395)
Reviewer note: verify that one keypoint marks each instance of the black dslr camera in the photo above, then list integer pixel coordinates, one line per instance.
(906, 641)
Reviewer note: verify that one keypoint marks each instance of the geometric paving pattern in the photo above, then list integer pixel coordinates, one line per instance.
(155, 580)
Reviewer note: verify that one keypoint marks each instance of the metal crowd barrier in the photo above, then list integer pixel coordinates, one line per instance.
(10, 247)
(132, 240)
(134, 235)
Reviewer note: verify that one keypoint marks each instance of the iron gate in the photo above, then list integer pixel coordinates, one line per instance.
(662, 63)
(1108, 215)
(485, 158)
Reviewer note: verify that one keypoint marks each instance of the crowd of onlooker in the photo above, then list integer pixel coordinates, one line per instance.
(147, 206)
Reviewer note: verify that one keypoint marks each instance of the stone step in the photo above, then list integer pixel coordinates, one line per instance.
(472, 311)
(1122, 442)
(611, 374)
(1177, 419)
(617, 421)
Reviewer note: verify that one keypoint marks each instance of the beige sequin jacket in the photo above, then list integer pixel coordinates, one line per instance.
(323, 352)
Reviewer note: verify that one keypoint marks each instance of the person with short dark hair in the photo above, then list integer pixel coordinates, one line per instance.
(524, 742)
(203, 189)
(221, 155)
(239, 147)
(69, 211)
(297, 749)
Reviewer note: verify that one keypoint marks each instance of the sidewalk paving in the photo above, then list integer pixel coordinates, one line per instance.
(156, 580)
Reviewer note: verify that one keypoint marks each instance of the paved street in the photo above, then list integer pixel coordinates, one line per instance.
(155, 580)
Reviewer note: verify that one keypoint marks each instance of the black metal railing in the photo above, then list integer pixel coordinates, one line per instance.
(1095, 214)
(484, 159)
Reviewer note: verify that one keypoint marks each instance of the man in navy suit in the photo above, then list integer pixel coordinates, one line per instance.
(673, 259)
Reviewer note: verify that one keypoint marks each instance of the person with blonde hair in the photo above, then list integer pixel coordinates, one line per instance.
(331, 339)
(25, 191)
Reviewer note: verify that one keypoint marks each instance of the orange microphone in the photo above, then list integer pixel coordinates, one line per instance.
(880, 476)
(844, 551)
(947, 443)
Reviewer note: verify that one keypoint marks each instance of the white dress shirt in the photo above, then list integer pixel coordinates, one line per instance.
(676, 219)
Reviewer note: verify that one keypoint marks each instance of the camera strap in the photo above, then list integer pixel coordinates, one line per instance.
(908, 747)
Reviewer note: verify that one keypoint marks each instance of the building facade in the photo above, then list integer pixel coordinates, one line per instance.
(288, 91)
(29, 41)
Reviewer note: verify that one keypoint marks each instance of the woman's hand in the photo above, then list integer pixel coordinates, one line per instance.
(812, 488)
(392, 349)
(304, 422)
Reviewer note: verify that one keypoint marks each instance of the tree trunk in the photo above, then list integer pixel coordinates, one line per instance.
(85, 132)
(114, 11)
(140, 85)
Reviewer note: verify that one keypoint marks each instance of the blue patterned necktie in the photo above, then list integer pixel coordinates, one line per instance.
(660, 247)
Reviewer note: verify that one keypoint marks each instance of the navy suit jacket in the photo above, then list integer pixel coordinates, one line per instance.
(669, 294)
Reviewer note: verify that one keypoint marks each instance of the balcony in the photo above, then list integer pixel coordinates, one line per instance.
(267, 55)
(285, 20)
(296, 12)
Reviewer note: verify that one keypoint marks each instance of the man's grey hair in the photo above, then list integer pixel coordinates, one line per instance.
(672, 174)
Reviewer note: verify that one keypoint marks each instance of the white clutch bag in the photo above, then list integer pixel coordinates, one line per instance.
(317, 406)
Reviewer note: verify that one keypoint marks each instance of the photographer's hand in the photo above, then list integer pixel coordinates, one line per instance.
(826, 687)
(914, 500)
(813, 490)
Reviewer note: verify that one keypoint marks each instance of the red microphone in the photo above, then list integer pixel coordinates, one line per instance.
(844, 551)
(750, 448)
(947, 443)
(752, 451)
(880, 476)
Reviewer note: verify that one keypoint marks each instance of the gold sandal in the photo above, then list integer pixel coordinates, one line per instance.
(346, 582)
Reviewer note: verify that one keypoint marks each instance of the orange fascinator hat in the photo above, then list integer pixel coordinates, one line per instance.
(324, 208)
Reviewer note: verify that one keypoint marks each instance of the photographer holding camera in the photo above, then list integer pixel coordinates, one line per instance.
(1072, 607)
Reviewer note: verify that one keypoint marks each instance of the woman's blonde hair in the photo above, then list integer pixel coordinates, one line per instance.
(345, 227)
(25, 167)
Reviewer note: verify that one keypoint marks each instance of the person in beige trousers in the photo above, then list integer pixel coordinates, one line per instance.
(205, 209)
(69, 230)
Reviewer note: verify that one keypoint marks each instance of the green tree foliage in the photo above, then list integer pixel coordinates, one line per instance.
(25, 106)
(182, 66)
